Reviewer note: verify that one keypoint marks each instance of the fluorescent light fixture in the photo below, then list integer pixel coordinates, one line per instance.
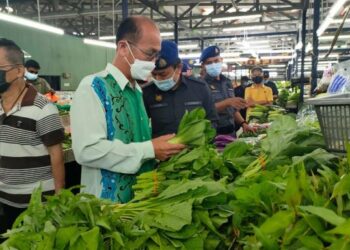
(30, 23)
(299, 46)
(106, 38)
(26, 54)
(163, 34)
(324, 47)
(332, 12)
(100, 43)
(238, 59)
(271, 51)
(190, 55)
(309, 47)
(330, 55)
(257, 47)
(276, 57)
(242, 28)
(325, 38)
(229, 54)
(276, 66)
(230, 18)
(254, 41)
(340, 21)
(188, 46)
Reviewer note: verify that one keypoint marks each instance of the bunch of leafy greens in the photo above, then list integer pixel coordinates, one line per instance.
(284, 193)
(194, 129)
(184, 216)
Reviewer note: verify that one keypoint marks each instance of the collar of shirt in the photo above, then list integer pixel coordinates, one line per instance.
(27, 100)
(258, 85)
(210, 80)
(119, 77)
(184, 81)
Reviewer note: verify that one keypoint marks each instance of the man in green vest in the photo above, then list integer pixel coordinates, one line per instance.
(110, 128)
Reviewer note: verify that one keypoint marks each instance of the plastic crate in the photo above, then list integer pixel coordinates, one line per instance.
(333, 113)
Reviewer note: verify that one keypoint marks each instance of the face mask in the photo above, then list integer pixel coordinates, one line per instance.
(165, 85)
(214, 69)
(140, 70)
(3, 84)
(257, 79)
(30, 76)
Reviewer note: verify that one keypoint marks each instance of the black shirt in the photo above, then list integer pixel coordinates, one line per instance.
(272, 85)
(167, 108)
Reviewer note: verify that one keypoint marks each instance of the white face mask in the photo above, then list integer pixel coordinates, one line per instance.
(140, 70)
(30, 76)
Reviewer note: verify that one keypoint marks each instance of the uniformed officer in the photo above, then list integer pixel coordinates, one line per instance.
(171, 93)
(227, 105)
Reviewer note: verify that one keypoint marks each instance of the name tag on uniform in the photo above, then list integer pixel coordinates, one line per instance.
(193, 103)
(158, 105)
(215, 91)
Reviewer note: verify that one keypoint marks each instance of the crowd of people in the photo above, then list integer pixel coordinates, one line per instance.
(112, 136)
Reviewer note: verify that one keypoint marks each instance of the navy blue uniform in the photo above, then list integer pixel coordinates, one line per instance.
(221, 90)
(167, 108)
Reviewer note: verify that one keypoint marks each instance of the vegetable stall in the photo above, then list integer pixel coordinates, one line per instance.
(284, 192)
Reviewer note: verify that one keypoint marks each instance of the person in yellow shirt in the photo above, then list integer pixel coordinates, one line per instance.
(258, 93)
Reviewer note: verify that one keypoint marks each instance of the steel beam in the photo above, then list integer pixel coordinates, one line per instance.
(168, 16)
(241, 36)
(210, 16)
(303, 38)
(317, 7)
(125, 9)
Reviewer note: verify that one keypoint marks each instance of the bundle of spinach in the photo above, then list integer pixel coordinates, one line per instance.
(194, 129)
(291, 208)
(199, 162)
(184, 216)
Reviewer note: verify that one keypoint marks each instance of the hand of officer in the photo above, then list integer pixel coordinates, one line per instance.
(237, 102)
(247, 128)
(163, 149)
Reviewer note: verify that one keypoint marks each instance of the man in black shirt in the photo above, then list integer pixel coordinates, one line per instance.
(270, 84)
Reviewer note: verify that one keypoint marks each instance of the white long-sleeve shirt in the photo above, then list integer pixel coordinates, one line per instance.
(89, 136)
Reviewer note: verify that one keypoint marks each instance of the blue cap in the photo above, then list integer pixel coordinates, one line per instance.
(211, 51)
(168, 56)
(185, 66)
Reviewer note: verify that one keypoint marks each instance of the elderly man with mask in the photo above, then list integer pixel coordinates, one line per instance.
(31, 136)
(110, 128)
(171, 94)
(227, 105)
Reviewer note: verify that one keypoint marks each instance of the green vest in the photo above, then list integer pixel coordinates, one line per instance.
(128, 122)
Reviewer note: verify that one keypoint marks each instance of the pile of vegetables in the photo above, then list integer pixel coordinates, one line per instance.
(286, 192)
(262, 114)
(67, 141)
(288, 97)
(183, 216)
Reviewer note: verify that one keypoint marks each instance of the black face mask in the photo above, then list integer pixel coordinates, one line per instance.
(3, 84)
(257, 79)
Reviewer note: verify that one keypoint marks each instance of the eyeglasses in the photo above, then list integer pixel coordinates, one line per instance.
(7, 65)
(149, 55)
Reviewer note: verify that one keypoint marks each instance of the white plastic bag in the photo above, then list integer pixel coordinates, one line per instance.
(340, 82)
